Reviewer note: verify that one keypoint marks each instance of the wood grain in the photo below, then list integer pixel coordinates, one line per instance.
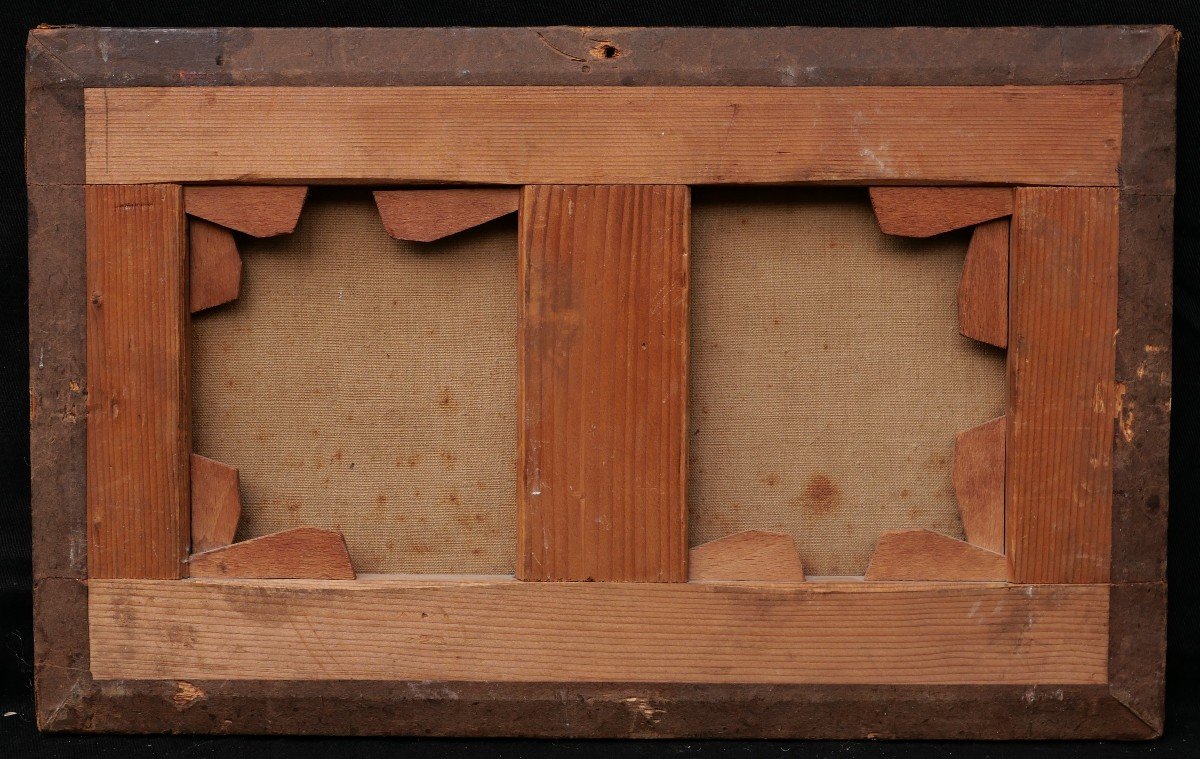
(70, 701)
(504, 630)
(215, 265)
(1061, 366)
(256, 211)
(928, 555)
(602, 438)
(300, 553)
(983, 288)
(979, 483)
(216, 504)
(749, 555)
(137, 408)
(928, 211)
(428, 215)
(594, 135)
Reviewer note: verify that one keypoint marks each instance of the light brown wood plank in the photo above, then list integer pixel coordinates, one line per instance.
(299, 553)
(749, 555)
(256, 211)
(1066, 135)
(216, 504)
(428, 215)
(983, 289)
(928, 211)
(861, 633)
(979, 483)
(1061, 361)
(602, 438)
(928, 555)
(137, 421)
(216, 266)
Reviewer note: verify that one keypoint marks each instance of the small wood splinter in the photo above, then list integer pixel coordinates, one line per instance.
(750, 555)
(428, 215)
(927, 555)
(929, 211)
(303, 553)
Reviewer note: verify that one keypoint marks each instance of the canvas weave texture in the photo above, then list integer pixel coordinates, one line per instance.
(828, 376)
(369, 385)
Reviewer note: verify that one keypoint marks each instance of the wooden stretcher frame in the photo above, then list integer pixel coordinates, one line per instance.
(1071, 645)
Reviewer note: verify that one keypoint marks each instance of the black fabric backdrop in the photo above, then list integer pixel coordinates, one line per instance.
(18, 734)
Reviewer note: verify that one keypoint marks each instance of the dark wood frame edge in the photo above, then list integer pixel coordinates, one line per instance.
(62, 61)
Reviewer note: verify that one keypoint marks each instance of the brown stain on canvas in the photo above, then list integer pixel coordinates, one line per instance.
(447, 401)
(821, 495)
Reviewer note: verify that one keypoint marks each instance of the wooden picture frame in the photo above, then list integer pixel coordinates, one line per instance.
(1049, 624)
